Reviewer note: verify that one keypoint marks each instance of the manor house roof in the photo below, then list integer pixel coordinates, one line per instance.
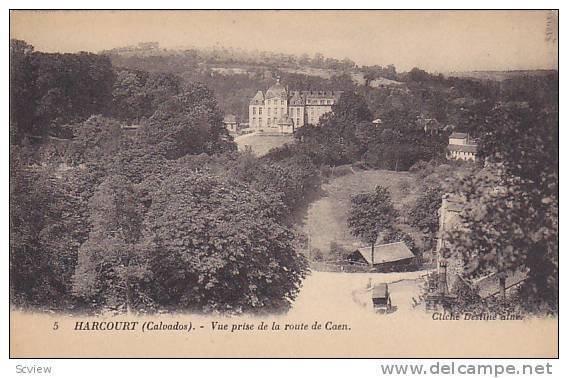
(258, 98)
(296, 98)
(277, 91)
(387, 253)
(321, 94)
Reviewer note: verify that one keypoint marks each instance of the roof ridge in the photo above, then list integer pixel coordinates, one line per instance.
(398, 242)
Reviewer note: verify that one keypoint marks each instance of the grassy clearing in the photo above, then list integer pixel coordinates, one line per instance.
(326, 220)
(261, 144)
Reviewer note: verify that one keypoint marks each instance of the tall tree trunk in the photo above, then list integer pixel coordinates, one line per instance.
(502, 286)
(128, 297)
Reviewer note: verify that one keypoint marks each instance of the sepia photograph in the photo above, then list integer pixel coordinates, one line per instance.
(284, 183)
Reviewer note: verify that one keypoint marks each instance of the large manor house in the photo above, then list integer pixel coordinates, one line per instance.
(280, 110)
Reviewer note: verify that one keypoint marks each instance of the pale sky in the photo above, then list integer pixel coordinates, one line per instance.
(437, 41)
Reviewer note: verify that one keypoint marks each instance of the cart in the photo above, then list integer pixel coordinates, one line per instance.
(381, 298)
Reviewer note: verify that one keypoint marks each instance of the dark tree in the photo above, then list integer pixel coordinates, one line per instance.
(371, 214)
(113, 263)
(188, 123)
(47, 226)
(21, 90)
(96, 140)
(130, 100)
(514, 222)
(424, 213)
(216, 247)
(351, 107)
(50, 90)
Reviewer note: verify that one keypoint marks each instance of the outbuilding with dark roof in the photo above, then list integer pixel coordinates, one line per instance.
(384, 257)
(455, 135)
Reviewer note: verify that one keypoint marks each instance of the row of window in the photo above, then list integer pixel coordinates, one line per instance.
(462, 153)
(298, 111)
(312, 118)
(312, 101)
(269, 122)
(309, 101)
(282, 102)
(320, 102)
(276, 111)
(313, 113)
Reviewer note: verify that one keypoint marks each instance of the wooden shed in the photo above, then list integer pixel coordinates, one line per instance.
(385, 257)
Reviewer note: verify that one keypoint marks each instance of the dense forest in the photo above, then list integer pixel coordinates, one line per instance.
(167, 216)
(127, 192)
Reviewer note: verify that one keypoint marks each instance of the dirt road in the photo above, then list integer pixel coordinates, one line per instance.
(347, 293)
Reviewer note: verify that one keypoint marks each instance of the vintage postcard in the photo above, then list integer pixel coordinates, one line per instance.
(378, 183)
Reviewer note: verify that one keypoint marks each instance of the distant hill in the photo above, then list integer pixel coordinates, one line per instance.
(229, 61)
(229, 55)
(497, 75)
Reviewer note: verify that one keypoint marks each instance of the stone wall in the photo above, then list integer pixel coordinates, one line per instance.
(452, 207)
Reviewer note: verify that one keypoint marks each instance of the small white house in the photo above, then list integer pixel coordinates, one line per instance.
(231, 123)
(461, 147)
